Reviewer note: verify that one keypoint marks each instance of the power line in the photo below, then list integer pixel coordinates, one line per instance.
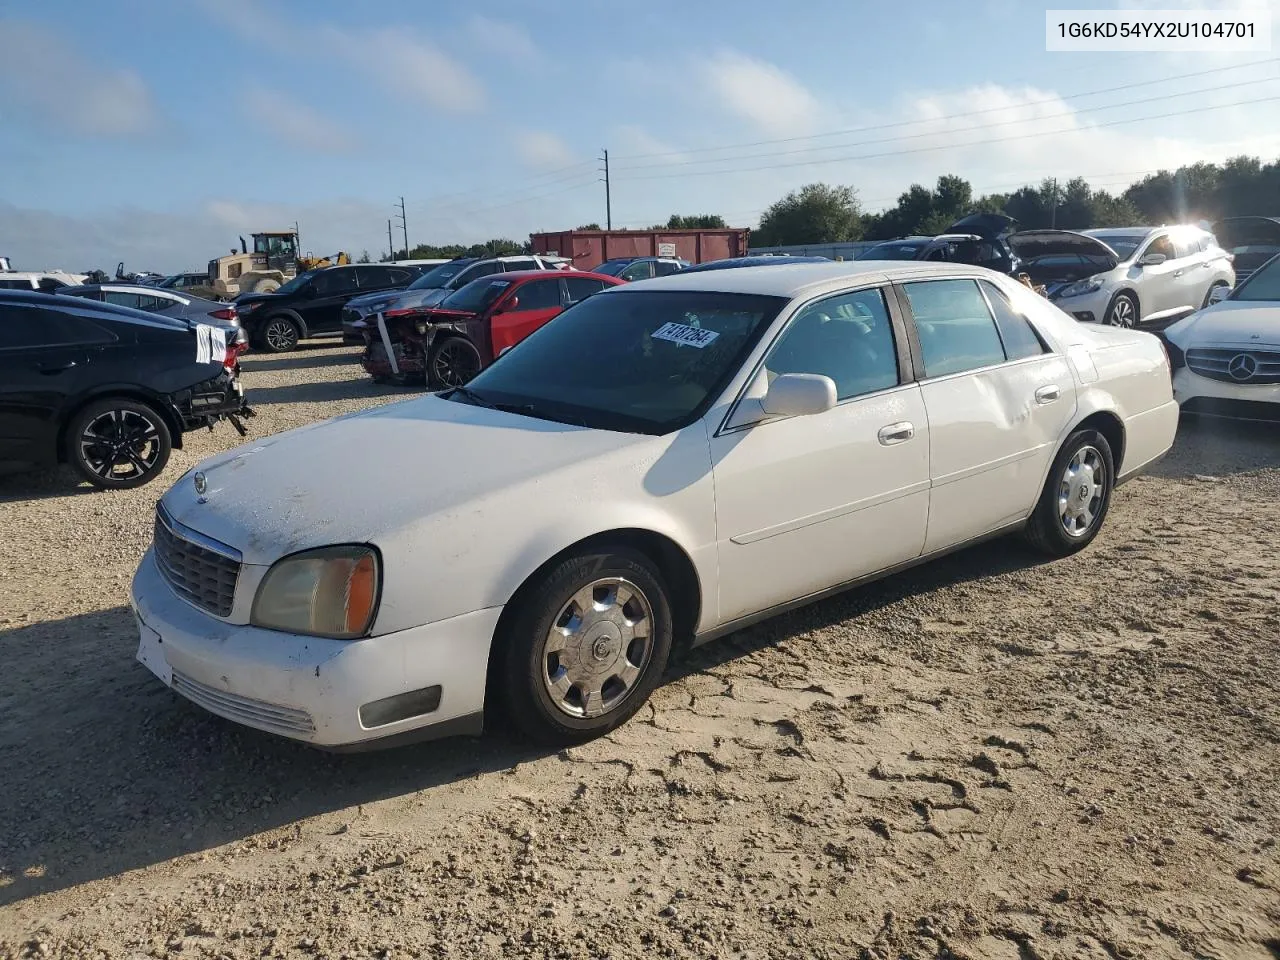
(945, 146)
(954, 116)
(935, 133)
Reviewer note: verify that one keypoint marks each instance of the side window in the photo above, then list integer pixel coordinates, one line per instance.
(1184, 246)
(848, 338)
(664, 268)
(15, 284)
(122, 299)
(476, 272)
(956, 330)
(1019, 337)
(398, 276)
(642, 270)
(529, 264)
(539, 295)
(38, 327)
(582, 287)
(371, 278)
(1162, 245)
(332, 282)
(49, 284)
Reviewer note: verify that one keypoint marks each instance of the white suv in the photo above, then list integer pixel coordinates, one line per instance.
(1159, 273)
(45, 282)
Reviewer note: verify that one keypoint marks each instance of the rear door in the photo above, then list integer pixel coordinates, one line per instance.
(45, 356)
(524, 310)
(997, 400)
(373, 277)
(333, 287)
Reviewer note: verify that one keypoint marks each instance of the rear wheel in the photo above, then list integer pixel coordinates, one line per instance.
(1076, 496)
(280, 335)
(452, 363)
(118, 444)
(1123, 311)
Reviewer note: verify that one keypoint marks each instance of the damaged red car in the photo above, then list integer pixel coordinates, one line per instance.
(447, 344)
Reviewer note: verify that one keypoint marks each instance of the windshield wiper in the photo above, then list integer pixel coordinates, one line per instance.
(474, 397)
(537, 412)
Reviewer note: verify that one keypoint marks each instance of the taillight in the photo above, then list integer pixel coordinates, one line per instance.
(232, 355)
(228, 313)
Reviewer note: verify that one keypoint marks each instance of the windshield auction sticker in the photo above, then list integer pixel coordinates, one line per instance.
(1131, 30)
(683, 334)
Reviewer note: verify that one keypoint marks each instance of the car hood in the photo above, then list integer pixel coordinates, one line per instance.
(1032, 244)
(424, 461)
(1230, 323)
(1242, 231)
(375, 299)
(245, 298)
(988, 226)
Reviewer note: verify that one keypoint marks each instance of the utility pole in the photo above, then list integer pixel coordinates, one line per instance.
(1053, 217)
(391, 244)
(404, 223)
(608, 204)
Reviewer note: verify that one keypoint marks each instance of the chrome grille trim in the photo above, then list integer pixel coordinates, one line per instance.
(272, 717)
(198, 568)
(1215, 362)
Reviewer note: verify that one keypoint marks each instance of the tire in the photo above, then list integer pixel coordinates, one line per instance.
(1122, 311)
(453, 361)
(266, 285)
(1208, 294)
(1057, 526)
(279, 334)
(118, 444)
(604, 670)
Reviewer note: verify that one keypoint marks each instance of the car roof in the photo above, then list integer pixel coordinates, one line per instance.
(164, 292)
(796, 279)
(111, 310)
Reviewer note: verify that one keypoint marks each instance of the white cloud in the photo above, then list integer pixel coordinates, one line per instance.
(541, 148)
(295, 123)
(632, 140)
(43, 75)
(761, 93)
(502, 38)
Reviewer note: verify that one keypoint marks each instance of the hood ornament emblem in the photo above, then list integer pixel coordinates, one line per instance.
(202, 486)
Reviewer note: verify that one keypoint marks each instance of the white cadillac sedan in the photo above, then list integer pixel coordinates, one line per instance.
(1226, 358)
(661, 464)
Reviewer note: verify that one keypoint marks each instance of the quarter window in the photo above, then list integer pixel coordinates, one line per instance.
(1016, 333)
(848, 338)
(956, 329)
(539, 295)
(122, 299)
(664, 268)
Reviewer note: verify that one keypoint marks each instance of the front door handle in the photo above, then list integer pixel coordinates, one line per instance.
(1048, 394)
(51, 368)
(896, 433)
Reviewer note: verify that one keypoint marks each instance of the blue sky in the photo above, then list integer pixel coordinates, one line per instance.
(157, 131)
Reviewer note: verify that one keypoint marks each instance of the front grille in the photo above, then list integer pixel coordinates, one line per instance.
(350, 316)
(254, 713)
(1235, 365)
(204, 576)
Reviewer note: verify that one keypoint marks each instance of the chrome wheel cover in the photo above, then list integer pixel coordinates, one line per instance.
(1082, 490)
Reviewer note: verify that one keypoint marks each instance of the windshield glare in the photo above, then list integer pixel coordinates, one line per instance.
(440, 275)
(476, 295)
(297, 282)
(639, 362)
(1263, 283)
(1123, 244)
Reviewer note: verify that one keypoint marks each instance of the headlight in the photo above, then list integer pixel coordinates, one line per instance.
(421, 326)
(328, 592)
(1080, 288)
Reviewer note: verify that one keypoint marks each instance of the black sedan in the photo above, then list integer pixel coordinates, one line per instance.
(108, 389)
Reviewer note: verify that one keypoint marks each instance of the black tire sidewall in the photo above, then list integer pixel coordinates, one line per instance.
(438, 347)
(525, 701)
(75, 430)
(280, 318)
(1049, 533)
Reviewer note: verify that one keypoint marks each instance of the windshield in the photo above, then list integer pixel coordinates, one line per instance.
(476, 295)
(1124, 244)
(1263, 283)
(440, 275)
(893, 251)
(612, 267)
(297, 282)
(638, 362)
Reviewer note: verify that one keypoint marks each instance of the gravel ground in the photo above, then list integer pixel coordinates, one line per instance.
(989, 757)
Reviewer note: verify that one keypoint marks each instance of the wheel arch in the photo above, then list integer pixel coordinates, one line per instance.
(292, 315)
(156, 403)
(1137, 299)
(1107, 423)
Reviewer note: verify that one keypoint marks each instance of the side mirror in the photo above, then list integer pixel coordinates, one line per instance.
(1218, 294)
(799, 395)
(1152, 260)
(512, 304)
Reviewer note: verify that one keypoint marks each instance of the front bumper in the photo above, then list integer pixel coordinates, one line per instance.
(310, 688)
(1087, 308)
(1202, 395)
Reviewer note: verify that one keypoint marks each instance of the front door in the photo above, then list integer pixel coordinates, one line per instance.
(333, 288)
(807, 503)
(1158, 284)
(997, 401)
(536, 302)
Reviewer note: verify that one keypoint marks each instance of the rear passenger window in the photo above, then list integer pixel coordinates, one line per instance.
(956, 329)
(847, 338)
(582, 287)
(642, 270)
(1019, 337)
(539, 295)
(122, 299)
(664, 268)
(38, 327)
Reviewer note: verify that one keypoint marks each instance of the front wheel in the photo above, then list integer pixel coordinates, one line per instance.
(1123, 311)
(453, 362)
(118, 444)
(280, 335)
(1076, 496)
(585, 647)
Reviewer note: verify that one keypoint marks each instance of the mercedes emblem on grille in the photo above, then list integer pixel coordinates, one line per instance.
(1242, 367)
(202, 485)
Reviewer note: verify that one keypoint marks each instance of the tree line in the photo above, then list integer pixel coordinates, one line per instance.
(825, 213)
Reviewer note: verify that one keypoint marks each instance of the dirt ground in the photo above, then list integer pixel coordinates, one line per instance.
(989, 757)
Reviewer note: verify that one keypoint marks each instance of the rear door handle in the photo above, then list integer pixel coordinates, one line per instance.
(896, 433)
(1048, 394)
(51, 368)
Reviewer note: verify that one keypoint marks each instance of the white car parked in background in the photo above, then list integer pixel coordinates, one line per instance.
(45, 281)
(1126, 276)
(661, 464)
(1226, 358)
